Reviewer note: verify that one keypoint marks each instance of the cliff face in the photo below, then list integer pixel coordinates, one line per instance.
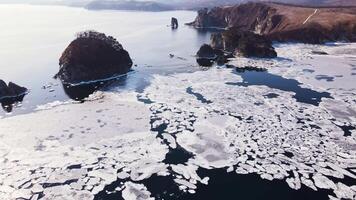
(284, 22)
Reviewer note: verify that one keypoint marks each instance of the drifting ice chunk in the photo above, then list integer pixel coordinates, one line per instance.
(344, 192)
(323, 182)
(134, 191)
(267, 176)
(185, 183)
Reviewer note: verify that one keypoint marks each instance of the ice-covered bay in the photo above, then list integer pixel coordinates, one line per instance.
(72, 151)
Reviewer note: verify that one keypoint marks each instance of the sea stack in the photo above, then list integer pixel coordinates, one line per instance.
(93, 56)
(174, 23)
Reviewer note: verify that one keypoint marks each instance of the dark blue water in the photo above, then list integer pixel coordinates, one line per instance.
(262, 77)
(199, 96)
(222, 185)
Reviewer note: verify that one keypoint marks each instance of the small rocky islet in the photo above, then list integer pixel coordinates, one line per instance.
(93, 56)
(10, 94)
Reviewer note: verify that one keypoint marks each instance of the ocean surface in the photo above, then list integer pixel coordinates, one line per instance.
(34, 37)
(279, 128)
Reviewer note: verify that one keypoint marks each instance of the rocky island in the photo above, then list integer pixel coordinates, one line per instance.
(93, 56)
(282, 22)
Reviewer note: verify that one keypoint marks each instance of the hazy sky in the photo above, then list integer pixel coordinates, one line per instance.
(45, 1)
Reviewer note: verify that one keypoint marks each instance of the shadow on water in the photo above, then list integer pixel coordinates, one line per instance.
(82, 91)
(252, 76)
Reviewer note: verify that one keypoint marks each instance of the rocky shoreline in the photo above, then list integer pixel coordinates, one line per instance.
(284, 23)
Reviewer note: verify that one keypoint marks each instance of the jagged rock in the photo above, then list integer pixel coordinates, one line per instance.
(10, 94)
(234, 42)
(207, 19)
(3, 88)
(206, 51)
(11, 90)
(16, 90)
(283, 22)
(245, 44)
(93, 56)
(206, 56)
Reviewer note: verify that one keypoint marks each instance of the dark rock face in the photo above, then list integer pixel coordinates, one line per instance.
(209, 19)
(246, 44)
(3, 89)
(10, 94)
(232, 43)
(207, 56)
(11, 90)
(174, 23)
(206, 51)
(283, 22)
(93, 56)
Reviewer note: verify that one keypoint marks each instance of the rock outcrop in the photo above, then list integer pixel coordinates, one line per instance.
(243, 43)
(233, 42)
(10, 94)
(93, 56)
(214, 18)
(283, 22)
(11, 90)
(207, 56)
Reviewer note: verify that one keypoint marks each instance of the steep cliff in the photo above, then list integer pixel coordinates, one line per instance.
(284, 22)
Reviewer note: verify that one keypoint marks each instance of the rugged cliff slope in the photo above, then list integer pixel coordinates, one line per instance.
(284, 22)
